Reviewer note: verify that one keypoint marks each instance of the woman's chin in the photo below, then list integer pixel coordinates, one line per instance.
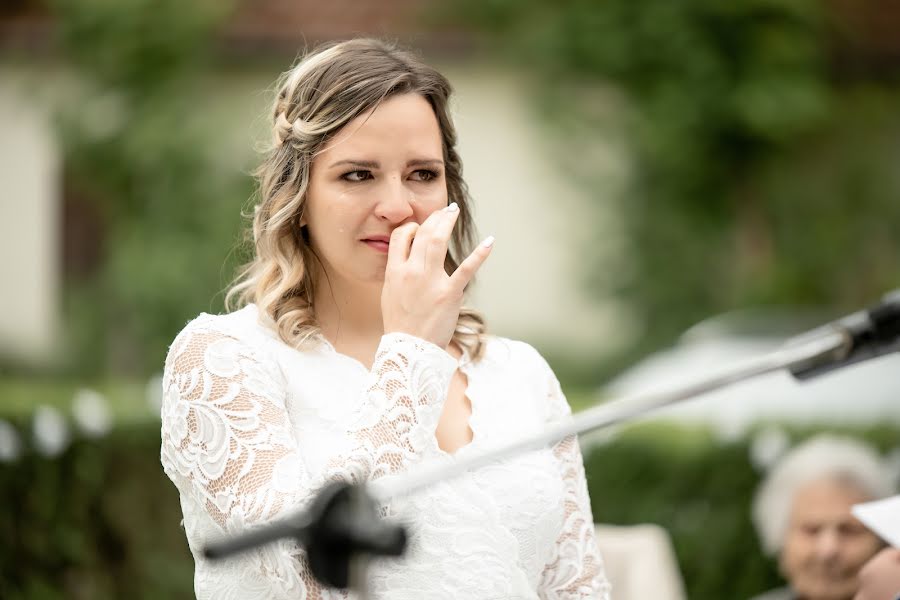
(376, 276)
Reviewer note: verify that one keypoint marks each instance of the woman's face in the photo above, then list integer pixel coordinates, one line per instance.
(826, 545)
(383, 169)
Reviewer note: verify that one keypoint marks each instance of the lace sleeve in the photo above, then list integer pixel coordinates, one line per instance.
(575, 570)
(227, 442)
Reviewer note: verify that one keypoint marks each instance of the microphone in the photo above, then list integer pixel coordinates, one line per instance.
(860, 336)
(340, 529)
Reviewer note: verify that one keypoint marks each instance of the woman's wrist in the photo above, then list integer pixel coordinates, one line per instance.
(430, 351)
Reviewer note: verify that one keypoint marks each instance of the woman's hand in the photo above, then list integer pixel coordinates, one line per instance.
(418, 297)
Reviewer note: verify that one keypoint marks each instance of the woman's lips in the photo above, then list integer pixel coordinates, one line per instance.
(377, 245)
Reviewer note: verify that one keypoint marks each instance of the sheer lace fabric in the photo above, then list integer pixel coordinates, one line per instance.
(252, 428)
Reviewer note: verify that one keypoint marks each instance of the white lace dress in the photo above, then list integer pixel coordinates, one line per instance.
(251, 428)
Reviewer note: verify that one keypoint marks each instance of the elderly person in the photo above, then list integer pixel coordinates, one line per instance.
(802, 512)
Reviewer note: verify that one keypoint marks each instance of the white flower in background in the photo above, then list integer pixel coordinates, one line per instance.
(10, 444)
(729, 429)
(91, 413)
(51, 432)
(153, 393)
(767, 447)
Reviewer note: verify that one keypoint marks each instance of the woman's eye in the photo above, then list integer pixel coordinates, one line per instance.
(423, 175)
(356, 176)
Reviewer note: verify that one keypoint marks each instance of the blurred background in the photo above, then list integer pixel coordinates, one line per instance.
(672, 185)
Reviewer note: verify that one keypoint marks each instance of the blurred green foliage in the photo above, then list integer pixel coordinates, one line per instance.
(757, 174)
(139, 157)
(128, 401)
(101, 520)
(760, 175)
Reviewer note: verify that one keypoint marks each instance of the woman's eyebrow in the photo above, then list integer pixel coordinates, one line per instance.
(371, 164)
(425, 162)
(362, 164)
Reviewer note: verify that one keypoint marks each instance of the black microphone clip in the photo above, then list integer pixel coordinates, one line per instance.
(864, 335)
(341, 524)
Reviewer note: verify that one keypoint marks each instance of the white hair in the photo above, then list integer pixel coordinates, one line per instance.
(821, 457)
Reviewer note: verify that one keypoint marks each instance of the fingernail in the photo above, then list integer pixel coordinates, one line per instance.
(488, 241)
(453, 207)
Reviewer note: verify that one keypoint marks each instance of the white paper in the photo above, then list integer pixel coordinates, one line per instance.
(882, 517)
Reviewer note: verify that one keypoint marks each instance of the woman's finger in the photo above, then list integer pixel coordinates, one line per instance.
(419, 251)
(467, 269)
(436, 249)
(399, 246)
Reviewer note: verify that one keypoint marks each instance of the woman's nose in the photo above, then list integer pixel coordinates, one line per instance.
(395, 201)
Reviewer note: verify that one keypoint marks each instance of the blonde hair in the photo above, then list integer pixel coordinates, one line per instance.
(316, 98)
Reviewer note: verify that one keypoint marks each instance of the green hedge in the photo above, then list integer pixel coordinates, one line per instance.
(99, 521)
(102, 520)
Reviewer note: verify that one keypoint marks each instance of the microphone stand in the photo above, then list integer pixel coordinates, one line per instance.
(341, 529)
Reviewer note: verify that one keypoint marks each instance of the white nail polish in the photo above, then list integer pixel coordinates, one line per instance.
(488, 241)
(453, 207)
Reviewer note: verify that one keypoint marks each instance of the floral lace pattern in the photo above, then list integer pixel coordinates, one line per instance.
(231, 446)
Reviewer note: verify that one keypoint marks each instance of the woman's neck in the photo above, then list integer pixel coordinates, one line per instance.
(349, 314)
